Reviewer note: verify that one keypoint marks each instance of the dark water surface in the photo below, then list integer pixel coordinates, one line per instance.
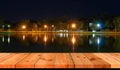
(61, 42)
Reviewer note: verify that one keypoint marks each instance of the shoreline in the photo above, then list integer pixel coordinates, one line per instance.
(71, 32)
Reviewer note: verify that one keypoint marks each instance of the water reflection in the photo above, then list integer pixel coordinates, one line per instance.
(73, 42)
(61, 42)
(45, 39)
(63, 35)
(3, 39)
(23, 37)
(6, 39)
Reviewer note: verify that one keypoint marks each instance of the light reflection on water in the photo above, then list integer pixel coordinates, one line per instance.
(61, 42)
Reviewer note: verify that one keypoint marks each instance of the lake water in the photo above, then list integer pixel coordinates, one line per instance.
(61, 42)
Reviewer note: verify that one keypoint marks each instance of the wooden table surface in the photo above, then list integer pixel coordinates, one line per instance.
(59, 60)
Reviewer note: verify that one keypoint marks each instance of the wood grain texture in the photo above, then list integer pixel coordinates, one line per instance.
(29, 61)
(81, 61)
(46, 61)
(108, 58)
(63, 60)
(11, 61)
(59, 60)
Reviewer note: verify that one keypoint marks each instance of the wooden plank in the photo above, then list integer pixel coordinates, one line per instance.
(114, 63)
(6, 56)
(29, 61)
(63, 60)
(81, 61)
(11, 61)
(98, 62)
(46, 60)
(114, 56)
(59, 60)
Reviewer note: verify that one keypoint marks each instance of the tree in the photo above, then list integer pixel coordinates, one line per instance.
(116, 22)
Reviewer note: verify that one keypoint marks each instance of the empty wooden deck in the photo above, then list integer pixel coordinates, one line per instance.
(59, 60)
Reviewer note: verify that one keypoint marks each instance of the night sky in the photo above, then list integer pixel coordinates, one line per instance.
(37, 9)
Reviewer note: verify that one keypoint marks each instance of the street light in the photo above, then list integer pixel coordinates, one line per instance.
(9, 26)
(3, 26)
(52, 26)
(45, 26)
(73, 25)
(23, 26)
(98, 25)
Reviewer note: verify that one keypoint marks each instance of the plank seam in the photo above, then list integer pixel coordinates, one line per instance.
(22, 59)
(37, 61)
(72, 60)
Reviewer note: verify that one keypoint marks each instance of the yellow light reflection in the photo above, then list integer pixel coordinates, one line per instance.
(52, 39)
(23, 37)
(36, 38)
(45, 38)
(73, 40)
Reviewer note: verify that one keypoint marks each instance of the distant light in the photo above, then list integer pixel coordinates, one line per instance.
(3, 26)
(9, 26)
(52, 39)
(45, 26)
(93, 31)
(73, 40)
(60, 30)
(98, 41)
(98, 25)
(73, 25)
(3, 39)
(67, 35)
(23, 27)
(45, 38)
(23, 37)
(81, 30)
(90, 24)
(52, 25)
(61, 34)
(90, 42)
(93, 35)
(8, 39)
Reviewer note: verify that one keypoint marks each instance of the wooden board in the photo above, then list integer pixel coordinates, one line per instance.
(63, 60)
(59, 60)
(114, 63)
(46, 61)
(11, 61)
(98, 62)
(29, 61)
(81, 61)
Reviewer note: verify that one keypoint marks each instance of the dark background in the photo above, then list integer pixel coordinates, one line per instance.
(38, 9)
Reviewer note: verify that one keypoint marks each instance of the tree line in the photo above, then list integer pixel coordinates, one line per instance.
(108, 23)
